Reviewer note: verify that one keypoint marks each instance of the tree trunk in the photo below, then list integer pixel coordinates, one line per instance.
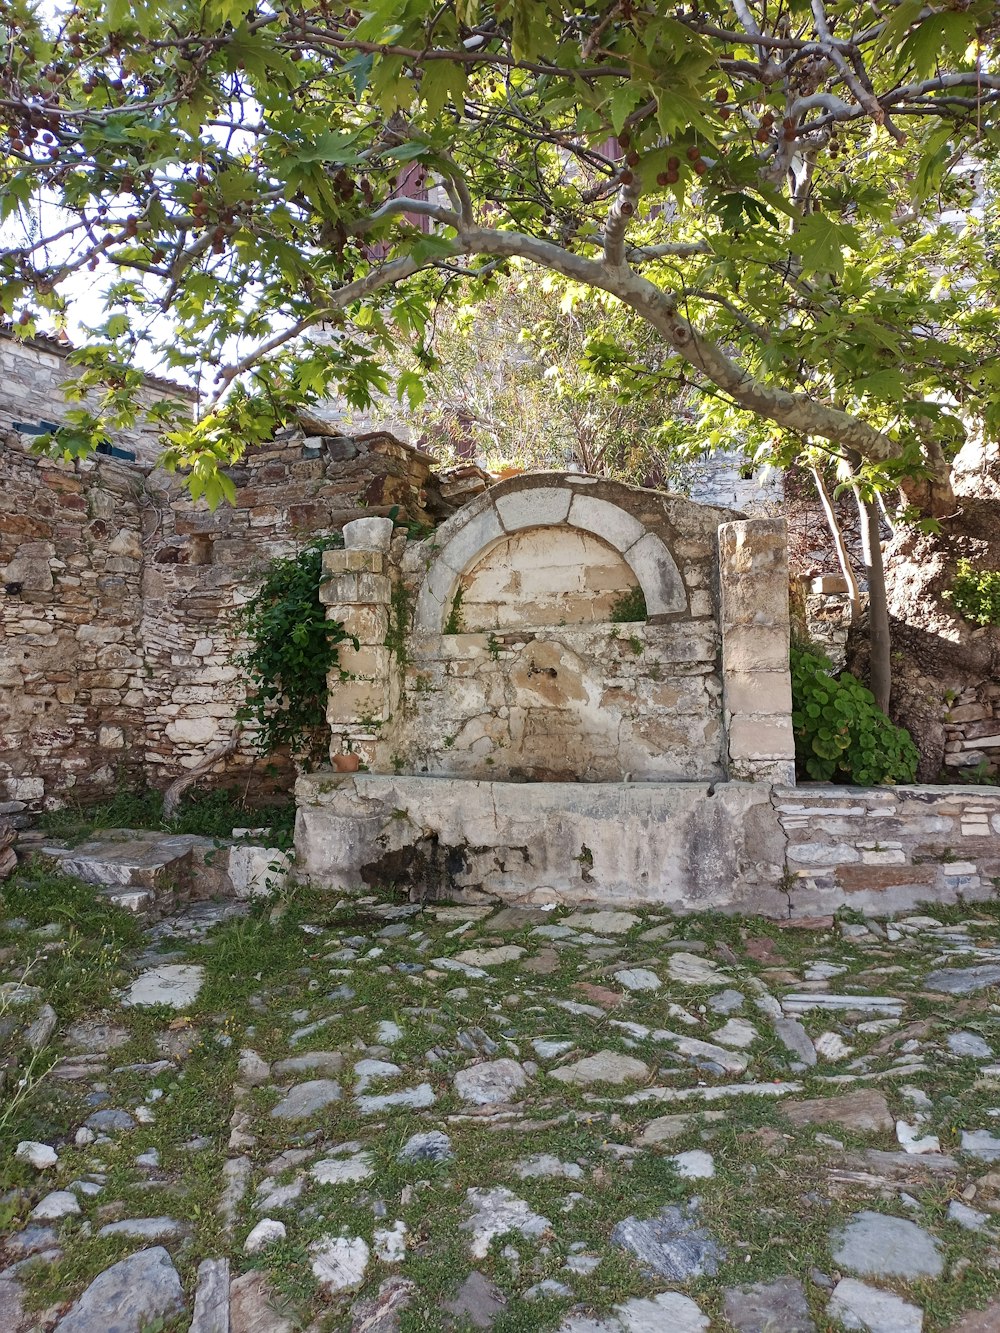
(880, 660)
(843, 557)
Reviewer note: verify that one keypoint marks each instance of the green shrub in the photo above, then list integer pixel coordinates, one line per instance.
(975, 594)
(628, 606)
(289, 650)
(841, 734)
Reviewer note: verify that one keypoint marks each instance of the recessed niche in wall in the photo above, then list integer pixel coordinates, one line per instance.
(544, 576)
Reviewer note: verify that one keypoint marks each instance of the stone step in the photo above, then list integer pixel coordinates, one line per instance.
(140, 901)
(122, 858)
(146, 872)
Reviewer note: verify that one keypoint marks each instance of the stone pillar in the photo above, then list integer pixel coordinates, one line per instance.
(756, 680)
(363, 693)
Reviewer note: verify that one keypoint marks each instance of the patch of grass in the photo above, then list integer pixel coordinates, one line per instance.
(208, 814)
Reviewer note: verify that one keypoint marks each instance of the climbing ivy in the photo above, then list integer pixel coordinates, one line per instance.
(841, 734)
(975, 594)
(288, 648)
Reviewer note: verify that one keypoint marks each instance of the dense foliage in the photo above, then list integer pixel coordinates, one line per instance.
(766, 187)
(289, 647)
(975, 593)
(841, 735)
(512, 380)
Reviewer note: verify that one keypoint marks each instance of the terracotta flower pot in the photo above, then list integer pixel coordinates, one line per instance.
(346, 763)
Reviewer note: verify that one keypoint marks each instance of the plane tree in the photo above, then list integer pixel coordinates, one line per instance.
(795, 197)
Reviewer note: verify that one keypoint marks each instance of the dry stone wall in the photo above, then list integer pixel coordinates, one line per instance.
(116, 592)
(72, 703)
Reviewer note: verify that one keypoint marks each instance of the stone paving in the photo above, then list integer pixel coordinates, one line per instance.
(373, 1116)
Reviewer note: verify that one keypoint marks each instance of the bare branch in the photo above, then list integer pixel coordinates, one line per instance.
(620, 214)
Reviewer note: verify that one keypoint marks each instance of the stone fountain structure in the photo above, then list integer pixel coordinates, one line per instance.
(518, 740)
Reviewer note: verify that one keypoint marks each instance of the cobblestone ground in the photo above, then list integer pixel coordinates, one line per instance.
(373, 1116)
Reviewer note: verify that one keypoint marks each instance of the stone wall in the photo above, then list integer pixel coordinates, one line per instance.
(32, 373)
(199, 565)
(71, 663)
(115, 597)
(887, 849)
(730, 846)
(492, 650)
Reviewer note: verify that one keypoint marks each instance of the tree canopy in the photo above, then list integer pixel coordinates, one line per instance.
(790, 195)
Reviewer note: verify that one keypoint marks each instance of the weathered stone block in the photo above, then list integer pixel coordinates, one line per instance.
(758, 692)
(354, 562)
(368, 624)
(472, 540)
(605, 520)
(355, 588)
(354, 701)
(760, 738)
(658, 575)
(535, 508)
(370, 661)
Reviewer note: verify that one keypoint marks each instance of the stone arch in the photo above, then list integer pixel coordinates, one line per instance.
(539, 500)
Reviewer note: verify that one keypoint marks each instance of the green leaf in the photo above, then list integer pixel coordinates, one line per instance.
(821, 240)
(442, 84)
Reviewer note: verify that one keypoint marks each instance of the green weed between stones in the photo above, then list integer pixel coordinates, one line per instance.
(208, 814)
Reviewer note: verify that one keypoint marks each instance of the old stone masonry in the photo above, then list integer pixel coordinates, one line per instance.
(376, 1116)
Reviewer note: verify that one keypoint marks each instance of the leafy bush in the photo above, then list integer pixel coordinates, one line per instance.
(628, 606)
(290, 648)
(841, 734)
(975, 594)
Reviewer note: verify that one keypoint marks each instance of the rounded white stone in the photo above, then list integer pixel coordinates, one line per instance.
(266, 1232)
(368, 534)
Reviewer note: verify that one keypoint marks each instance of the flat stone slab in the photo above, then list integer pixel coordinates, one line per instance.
(601, 923)
(982, 1144)
(429, 1146)
(795, 1039)
(858, 1306)
(503, 953)
(969, 1045)
(691, 970)
(339, 1263)
(673, 1245)
(255, 1307)
(145, 1228)
(604, 1067)
(666, 1128)
(211, 1297)
(720, 1092)
(769, 1306)
(963, 980)
(132, 860)
(128, 1296)
(865, 1110)
(801, 1002)
(173, 984)
(877, 1245)
(495, 1212)
(307, 1099)
(638, 979)
(669, 1312)
(411, 1099)
(319, 1062)
(478, 1301)
(491, 1083)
